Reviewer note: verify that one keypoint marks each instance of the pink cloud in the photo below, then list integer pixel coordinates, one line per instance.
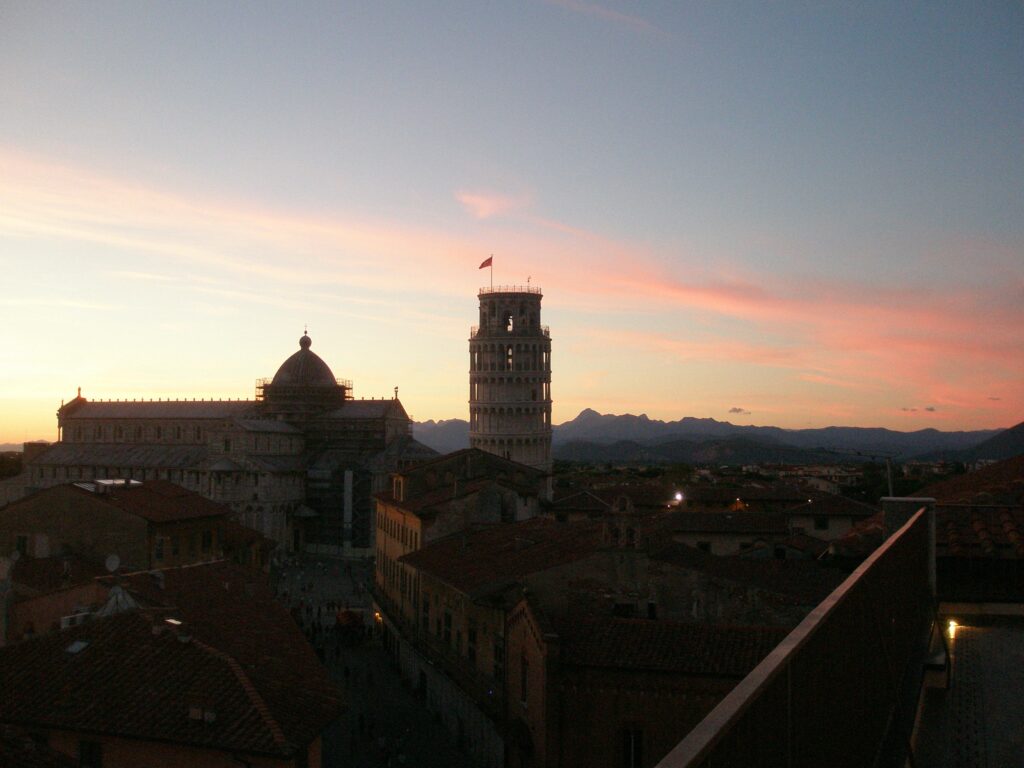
(487, 205)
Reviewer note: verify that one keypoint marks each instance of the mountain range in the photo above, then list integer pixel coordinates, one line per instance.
(593, 436)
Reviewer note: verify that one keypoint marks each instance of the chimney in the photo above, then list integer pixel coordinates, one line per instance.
(897, 511)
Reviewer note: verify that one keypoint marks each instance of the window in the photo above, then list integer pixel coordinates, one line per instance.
(471, 644)
(447, 627)
(175, 546)
(207, 541)
(227, 445)
(632, 747)
(158, 550)
(524, 676)
(21, 544)
(499, 658)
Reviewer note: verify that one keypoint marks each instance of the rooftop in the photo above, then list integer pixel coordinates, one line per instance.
(978, 720)
(495, 557)
(133, 675)
(729, 522)
(121, 455)
(158, 501)
(156, 409)
(999, 483)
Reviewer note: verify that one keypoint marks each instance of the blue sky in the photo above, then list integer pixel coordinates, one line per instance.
(812, 212)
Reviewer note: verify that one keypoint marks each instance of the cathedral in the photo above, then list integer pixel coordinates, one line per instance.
(300, 462)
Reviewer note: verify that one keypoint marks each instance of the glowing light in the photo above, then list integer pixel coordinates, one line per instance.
(679, 496)
(376, 615)
(952, 629)
(175, 622)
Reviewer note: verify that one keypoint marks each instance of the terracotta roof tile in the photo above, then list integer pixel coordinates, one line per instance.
(833, 505)
(117, 676)
(802, 582)
(979, 531)
(729, 522)
(497, 556)
(999, 483)
(158, 501)
(233, 609)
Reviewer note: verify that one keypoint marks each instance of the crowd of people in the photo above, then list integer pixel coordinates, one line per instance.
(329, 602)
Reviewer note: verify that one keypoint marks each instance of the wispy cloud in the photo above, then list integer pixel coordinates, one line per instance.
(945, 346)
(488, 205)
(605, 14)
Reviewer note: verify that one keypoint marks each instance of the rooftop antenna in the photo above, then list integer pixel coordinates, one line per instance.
(396, 393)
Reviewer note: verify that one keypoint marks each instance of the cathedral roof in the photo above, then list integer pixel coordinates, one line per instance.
(304, 369)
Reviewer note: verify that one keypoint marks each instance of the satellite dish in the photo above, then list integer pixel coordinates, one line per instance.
(113, 563)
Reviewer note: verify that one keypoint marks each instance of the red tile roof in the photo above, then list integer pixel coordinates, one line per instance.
(666, 646)
(494, 557)
(833, 505)
(729, 522)
(132, 676)
(158, 501)
(979, 531)
(999, 483)
(862, 539)
(800, 582)
(233, 610)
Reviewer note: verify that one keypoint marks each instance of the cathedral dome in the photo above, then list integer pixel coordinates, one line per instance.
(304, 369)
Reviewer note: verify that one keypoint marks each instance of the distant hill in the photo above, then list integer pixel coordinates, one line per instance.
(1005, 445)
(10, 447)
(732, 451)
(443, 436)
(591, 426)
(593, 436)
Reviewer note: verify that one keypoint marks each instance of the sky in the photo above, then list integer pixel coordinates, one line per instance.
(795, 214)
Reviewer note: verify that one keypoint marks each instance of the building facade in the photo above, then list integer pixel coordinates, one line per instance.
(510, 377)
(299, 462)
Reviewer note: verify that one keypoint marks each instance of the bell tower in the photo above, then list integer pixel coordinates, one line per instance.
(510, 377)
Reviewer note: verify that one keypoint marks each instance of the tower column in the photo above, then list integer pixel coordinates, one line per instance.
(510, 377)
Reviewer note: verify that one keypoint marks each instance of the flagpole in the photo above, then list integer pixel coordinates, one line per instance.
(492, 272)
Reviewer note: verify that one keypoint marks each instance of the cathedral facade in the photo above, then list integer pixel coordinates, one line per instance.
(300, 462)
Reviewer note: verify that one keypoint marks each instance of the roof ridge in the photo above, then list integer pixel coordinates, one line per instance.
(250, 690)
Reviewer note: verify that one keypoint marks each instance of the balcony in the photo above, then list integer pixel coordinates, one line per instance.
(510, 289)
(841, 689)
(500, 333)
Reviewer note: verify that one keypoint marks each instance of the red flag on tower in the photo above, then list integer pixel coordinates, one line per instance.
(487, 262)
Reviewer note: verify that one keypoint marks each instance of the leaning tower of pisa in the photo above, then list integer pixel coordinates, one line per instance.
(510, 377)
